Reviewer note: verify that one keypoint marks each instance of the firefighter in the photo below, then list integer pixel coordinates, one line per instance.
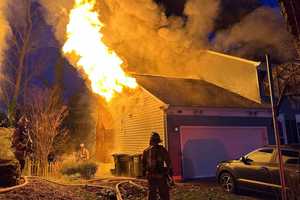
(22, 142)
(83, 154)
(157, 168)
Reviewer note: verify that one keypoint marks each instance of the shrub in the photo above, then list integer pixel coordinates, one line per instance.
(6, 152)
(10, 172)
(86, 170)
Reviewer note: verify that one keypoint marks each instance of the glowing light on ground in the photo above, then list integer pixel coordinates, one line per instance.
(102, 65)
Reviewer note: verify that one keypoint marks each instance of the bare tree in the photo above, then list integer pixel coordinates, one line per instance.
(26, 26)
(46, 113)
(287, 83)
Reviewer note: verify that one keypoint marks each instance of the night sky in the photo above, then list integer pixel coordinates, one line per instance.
(272, 3)
(176, 6)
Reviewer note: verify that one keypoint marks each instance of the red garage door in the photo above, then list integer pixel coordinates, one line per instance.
(203, 147)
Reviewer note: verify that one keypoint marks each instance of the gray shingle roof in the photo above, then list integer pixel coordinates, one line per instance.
(193, 92)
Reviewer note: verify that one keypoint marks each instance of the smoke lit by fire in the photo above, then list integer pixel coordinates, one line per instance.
(102, 65)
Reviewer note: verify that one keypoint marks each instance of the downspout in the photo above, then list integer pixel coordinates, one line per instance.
(165, 123)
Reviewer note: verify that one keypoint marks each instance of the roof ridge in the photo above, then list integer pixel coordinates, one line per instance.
(166, 76)
(256, 63)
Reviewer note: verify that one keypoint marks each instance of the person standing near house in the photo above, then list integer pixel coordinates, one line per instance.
(83, 154)
(22, 142)
(157, 168)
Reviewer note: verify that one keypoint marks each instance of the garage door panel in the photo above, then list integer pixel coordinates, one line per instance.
(203, 147)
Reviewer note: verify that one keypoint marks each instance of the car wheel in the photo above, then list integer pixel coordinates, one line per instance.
(227, 182)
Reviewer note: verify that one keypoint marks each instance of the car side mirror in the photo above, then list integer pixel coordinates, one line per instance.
(246, 160)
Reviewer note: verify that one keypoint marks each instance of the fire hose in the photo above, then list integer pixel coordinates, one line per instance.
(8, 189)
(116, 189)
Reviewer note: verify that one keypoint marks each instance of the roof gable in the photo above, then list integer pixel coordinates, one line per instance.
(235, 74)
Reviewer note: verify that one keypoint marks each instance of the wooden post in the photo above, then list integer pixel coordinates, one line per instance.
(276, 130)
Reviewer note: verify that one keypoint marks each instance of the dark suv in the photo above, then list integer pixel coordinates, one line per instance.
(259, 170)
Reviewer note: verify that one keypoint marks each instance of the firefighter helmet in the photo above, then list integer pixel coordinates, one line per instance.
(155, 138)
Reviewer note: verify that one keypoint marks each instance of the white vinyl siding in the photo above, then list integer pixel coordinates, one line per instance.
(145, 117)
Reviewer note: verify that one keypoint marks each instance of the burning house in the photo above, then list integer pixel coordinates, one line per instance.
(208, 113)
(201, 122)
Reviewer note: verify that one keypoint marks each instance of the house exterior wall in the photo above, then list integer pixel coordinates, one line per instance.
(145, 116)
(175, 121)
(290, 112)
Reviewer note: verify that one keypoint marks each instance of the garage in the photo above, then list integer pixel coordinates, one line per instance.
(203, 147)
(200, 123)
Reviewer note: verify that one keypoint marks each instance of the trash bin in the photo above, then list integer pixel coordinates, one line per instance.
(122, 164)
(137, 166)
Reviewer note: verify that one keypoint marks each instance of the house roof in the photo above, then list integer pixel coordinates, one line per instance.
(193, 92)
(235, 74)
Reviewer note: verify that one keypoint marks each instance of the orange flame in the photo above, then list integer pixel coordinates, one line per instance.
(102, 66)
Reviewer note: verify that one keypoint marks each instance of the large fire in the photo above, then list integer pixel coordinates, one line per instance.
(102, 65)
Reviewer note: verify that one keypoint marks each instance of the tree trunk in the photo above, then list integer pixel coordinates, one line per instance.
(21, 64)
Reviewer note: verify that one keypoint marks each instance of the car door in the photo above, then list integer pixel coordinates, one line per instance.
(254, 170)
(292, 169)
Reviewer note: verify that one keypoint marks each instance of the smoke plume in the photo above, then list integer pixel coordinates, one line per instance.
(56, 14)
(262, 31)
(143, 36)
(4, 34)
(4, 30)
(149, 41)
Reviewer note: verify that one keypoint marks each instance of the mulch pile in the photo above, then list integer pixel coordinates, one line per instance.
(132, 192)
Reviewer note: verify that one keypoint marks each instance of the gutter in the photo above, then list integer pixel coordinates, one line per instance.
(165, 124)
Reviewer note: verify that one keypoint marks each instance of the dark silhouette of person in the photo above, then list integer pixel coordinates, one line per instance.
(21, 141)
(157, 168)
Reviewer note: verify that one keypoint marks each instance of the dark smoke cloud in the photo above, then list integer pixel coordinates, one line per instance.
(262, 31)
(232, 11)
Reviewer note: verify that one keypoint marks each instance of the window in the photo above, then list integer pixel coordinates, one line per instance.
(262, 155)
(290, 157)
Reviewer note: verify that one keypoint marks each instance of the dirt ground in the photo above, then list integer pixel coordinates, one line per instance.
(39, 189)
(208, 192)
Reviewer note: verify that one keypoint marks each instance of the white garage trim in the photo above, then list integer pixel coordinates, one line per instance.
(219, 112)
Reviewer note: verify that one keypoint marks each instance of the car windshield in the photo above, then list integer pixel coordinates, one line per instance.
(261, 155)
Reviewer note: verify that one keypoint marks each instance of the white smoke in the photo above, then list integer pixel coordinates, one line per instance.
(143, 36)
(56, 14)
(4, 29)
(4, 34)
(149, 41)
